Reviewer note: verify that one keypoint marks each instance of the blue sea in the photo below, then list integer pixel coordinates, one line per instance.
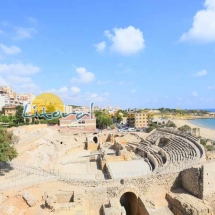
(210, 110)
(207, 123)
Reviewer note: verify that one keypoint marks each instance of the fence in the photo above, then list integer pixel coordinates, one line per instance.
(51, 175)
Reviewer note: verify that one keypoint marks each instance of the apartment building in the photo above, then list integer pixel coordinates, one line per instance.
(25, 98)
(141, 120)
(137, 119)
(13, 98)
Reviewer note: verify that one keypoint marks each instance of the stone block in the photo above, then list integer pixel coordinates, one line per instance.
(30, 200)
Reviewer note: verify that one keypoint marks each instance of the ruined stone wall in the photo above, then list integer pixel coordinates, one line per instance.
(192, 181)
(200, 180)
(26, 128)
(142, 208)
(101, 191)
(208, 179)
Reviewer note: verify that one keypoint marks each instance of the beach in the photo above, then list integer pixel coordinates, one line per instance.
(204, 132)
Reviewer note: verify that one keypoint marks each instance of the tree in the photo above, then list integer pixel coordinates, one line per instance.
(53, 121)
(27, 120)
(170, 124)
(185, 128)
(5, 119)
(19, 117)
(103, 120)
(149, 129)
(119, 116)
(7, 150)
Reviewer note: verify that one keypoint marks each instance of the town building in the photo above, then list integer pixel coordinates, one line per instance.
(2, 101)
(68, 108)
(141, 120)
(137, 119)
(25, 98)
(12, 98)
(9, 110)
(84, 123)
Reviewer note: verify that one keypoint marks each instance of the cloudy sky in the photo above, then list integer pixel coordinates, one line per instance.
(129, 53)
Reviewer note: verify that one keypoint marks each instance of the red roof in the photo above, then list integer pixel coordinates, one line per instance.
(72, 117)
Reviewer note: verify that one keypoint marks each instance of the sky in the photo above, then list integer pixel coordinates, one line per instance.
(139, 53)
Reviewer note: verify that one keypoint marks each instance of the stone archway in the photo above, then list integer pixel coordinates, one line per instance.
(129, 201)
(95, 139)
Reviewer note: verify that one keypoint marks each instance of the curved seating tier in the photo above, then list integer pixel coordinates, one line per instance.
(146, 150)
(181, 150)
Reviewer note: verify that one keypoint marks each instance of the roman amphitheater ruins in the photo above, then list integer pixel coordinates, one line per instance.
(60, 171)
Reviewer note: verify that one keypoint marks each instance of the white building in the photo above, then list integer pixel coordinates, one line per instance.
(2, 101)
(68, 109)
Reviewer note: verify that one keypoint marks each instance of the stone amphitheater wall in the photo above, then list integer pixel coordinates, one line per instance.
(200, 180)
(196, 143)
(192, 181)
(149, 186)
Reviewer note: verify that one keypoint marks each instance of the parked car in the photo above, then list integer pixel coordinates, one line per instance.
(131, 129)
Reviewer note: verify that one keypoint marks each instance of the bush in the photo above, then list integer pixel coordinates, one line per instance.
(203, 141)
(149, 129)
(7, 150)
(112, 126)
(185, 128)
(170, 124)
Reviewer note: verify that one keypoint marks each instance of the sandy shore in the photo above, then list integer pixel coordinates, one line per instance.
(204, 132)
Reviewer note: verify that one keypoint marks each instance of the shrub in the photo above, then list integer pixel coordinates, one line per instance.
(7, 149)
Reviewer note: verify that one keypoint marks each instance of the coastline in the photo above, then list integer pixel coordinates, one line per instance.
(204, 132)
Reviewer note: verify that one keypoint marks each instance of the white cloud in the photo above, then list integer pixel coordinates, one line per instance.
(194, 93)
(133, 91)
(94, 97)
(83, 76)
(18, 69)
(18, 79)
(100, 47)
(211, 87)
(203, 29)
(24, 33)
(63, 89)
(126, 41)
(201, 73)
(75, 89)
(20, 84)
(69, 96)
(10, 50)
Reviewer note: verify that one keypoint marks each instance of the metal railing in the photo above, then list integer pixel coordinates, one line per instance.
(43, 175)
